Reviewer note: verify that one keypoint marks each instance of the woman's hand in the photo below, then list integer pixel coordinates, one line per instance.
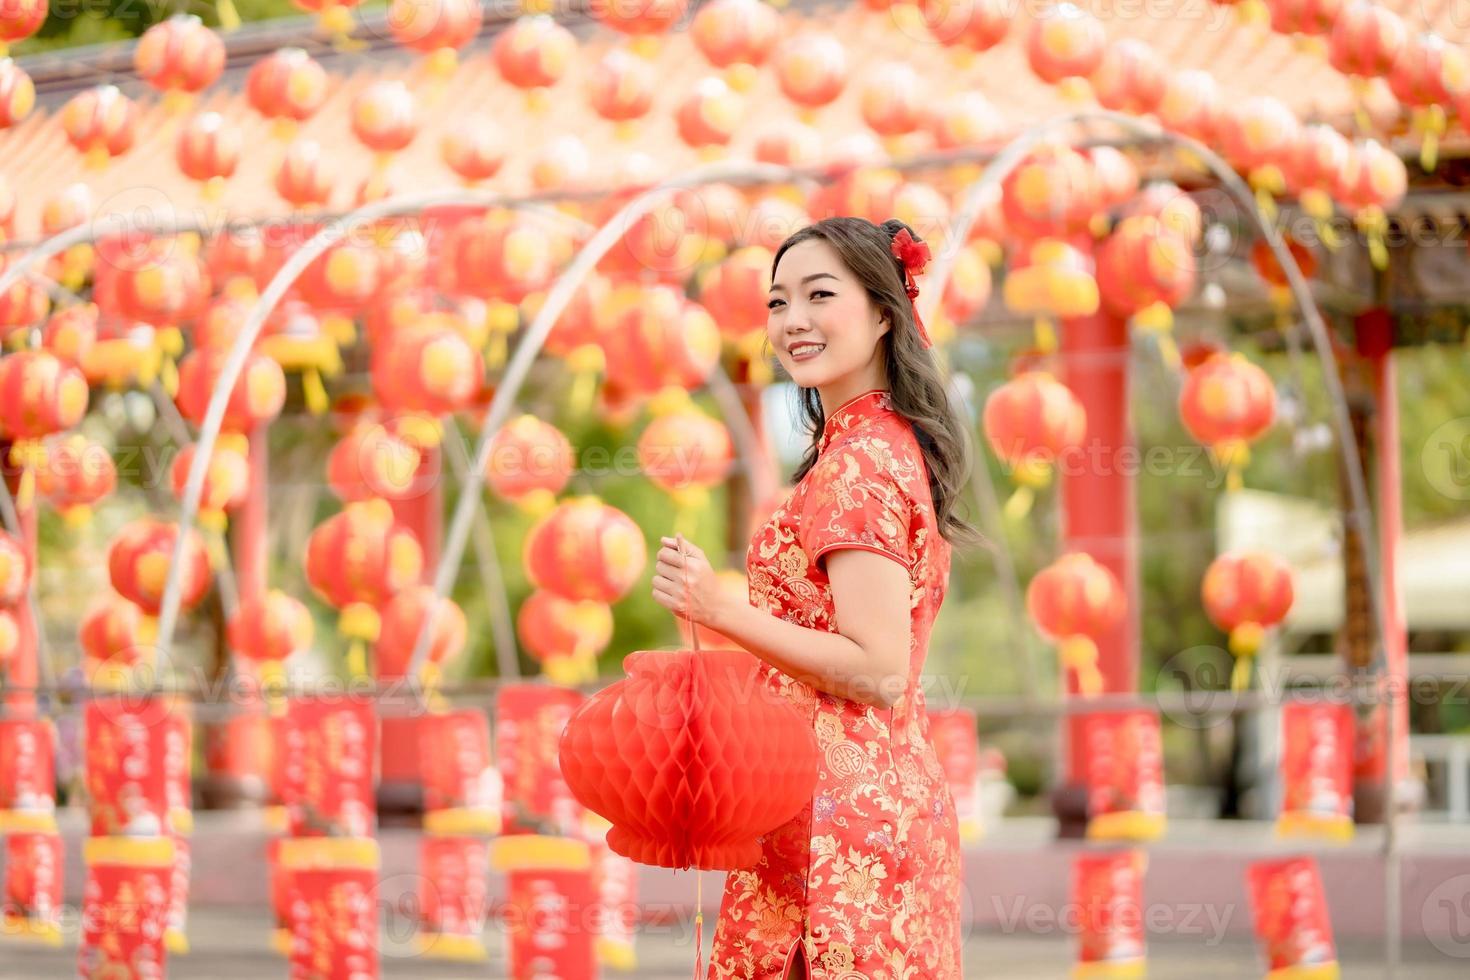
(685, 584)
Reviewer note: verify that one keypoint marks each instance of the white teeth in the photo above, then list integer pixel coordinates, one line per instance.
(801, 349)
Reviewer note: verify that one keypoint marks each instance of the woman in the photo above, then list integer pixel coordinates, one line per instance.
(845, 580)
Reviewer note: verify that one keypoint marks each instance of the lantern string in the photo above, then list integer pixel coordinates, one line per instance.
(698, 925)
(688, 617)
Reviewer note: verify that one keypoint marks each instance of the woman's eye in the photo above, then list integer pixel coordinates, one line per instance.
(820, 292)
(772, 304)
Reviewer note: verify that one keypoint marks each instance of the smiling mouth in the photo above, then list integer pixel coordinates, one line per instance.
(805, 352)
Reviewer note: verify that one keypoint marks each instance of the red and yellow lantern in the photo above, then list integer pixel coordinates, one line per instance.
(1259, 137)
(432, 370)
(1192, 104)
(1322, 154)
(1428, 76)
(1366, 40)
(17, 92)
(1030, 422)
(1307, 17)
(77, 473)
(788, 143)
(258, 395)
(226, 481)
(1063, 44)
(208, 151)
(564, 635)
(585, 549)
(1245, 594)
(1227, 403)
(179, 57)
(1074, 600)
(1130, 78)
(303, 178)
(1372, 184)
(116, 640)
(357, 560)
(620, 87)
(404, 617)
(811, 70)
(1053, 193)
(139, 558)
(473, 152)
(385, 117)
(19, 19)
(24, 302)
(101, 123)
(891, 99)
(658, 338)
(684, 452)
(439, 29)
(641, 18)
(370, 461)
(15, 571)
(974, 26)
(1145, 271)
(709, 115)
(334, 17)
(530, 463)
(734, 294)
(736, 35)
(39, 394)
(286, 86)
(267, 629)
(533, 54)
(1050, 279)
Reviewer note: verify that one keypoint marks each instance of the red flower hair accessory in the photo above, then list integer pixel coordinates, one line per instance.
(914, 257)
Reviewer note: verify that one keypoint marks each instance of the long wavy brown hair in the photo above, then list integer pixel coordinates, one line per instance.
(918, 389)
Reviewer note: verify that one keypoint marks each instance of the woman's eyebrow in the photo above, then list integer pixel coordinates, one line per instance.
(805, 280)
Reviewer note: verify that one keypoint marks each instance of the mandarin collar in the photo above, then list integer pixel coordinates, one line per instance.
(868, 405)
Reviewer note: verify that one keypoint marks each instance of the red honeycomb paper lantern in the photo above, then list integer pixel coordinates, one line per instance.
(139, 558)
(691, 758)
(17, 92)
(585, 549)
(179, 56)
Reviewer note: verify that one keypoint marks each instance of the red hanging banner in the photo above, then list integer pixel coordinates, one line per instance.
(956, 737)
(1316, 771)
(1291, 919)
(333, 909)
(125, 908)
(27, 774)
(175, 936)
(453, 898)
(33, 874)
(1107, 890)
(462, 792)
(529, 719)
(330, 745)
(136, 763)
(615, 883)
(549, 915)
(1124, 769)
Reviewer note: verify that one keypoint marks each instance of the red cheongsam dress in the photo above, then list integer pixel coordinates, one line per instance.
(867, 876)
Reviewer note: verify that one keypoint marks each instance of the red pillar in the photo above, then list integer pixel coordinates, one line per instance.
(1099, 508)
(25, 668)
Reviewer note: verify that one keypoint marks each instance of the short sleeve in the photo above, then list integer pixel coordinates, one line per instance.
(853, 501)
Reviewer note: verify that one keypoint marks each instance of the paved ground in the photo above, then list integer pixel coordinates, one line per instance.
(232, 946)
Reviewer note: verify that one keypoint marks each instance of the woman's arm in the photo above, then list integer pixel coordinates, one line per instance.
(866, 660)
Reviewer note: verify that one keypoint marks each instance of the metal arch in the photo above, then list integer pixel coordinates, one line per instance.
(1360, 512)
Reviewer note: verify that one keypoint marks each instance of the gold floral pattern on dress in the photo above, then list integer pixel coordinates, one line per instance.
(867, 877)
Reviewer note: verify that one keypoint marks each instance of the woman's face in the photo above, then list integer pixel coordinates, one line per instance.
(824, 328)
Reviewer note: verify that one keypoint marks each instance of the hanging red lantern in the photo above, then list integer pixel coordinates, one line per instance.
(684, 451)
(788, 143)
(974, 25)
(657, 338)
(1050, 280)
(1143, 263)
(1258, 137)
(472, 151)
(1309, 17)
(562, 165)
(77, 473)
(385, 116)
(734, 293)
(1366, 40)
(641, 17)
(965, 120)
(620, 87)
(1263, 260)
(585, 549)
(39, 394)
(564, 635)
(258, 395)
(1174, 209)
(286, 86)
(670, 796)
(1192, 104)
(357, 560)
(114, 640)
(503, 256)
(1130, 78)
(1073, 601)
(1065, 42)
(25, 302)
(533, 54)
(969, 286)
(1052, 193)
(1322, 153)
(101, 123)
(334, 17)
(404, 617)
(166, 283)
(303, 178)
(271, 627)
(344, 278)
(370, 461)
(664, 244)
(17, 92)
(1030, 422)
(19, 19)
(530, 463)
(737, 35)
(1372, 184)
(772, 220)
(709, 115)
(226, 481)
(179, 57)
(891, 99)
(432, 370)
(207, 151)
(811, 69)
(1246, 594)
(1226, 404)
(15, 571)
(439, 29)
(235, 257)
(139, 559)
(1115, 175)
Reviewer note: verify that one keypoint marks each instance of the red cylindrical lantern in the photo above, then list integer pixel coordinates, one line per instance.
(548, 878)
(954, 732)
(453, 898)
(134, 763)
(27, 773)
(528, 720)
